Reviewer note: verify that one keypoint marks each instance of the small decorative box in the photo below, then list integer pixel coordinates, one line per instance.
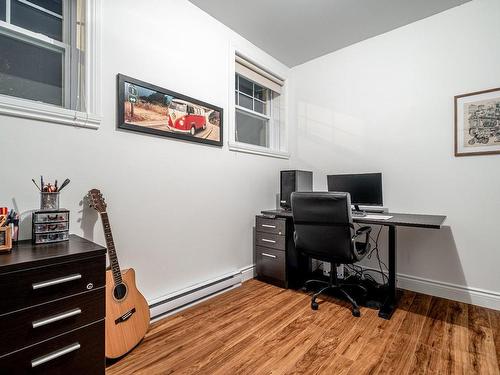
(50, 226)
(5, 239)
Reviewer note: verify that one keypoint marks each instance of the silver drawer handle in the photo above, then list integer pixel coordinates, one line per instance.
(269, 226)
(56, 318)
(58, 353)
(59, 280)
(266, 240)
(269, 255)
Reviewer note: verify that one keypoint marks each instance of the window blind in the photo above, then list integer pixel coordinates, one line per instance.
(258, 75)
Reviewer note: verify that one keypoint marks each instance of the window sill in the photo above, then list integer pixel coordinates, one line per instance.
(256, 150)
(22, 108)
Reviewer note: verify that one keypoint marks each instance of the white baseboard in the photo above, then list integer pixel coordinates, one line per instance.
(474, 296)
(182, 299)
(455, 292)
(167, 313)
(174, 302)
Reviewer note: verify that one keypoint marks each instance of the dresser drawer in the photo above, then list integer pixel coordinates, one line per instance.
(77, 352)
(33, 325)
(265, 224)
(22, 289)
(273, 241)
(270, 263)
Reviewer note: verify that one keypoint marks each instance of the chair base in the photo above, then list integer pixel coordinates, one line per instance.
(334, 285)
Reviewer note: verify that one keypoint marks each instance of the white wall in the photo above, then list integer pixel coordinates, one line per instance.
(181, 212)
(386, 104)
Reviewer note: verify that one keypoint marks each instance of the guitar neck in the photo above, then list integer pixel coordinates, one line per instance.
(110, 244)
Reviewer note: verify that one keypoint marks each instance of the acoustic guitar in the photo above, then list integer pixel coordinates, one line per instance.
(127, 312)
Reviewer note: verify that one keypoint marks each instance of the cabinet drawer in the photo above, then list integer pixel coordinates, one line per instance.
(270, 263)
(33, 325)
(54, 227)
(265, 224)
(51, 237)
(50, 217)
(273, 241)
(31, 287)
(77, 352)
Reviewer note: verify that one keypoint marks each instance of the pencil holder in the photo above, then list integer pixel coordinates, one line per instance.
(49, 201)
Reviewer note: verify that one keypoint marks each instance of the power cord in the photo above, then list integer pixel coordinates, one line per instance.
(361, 272)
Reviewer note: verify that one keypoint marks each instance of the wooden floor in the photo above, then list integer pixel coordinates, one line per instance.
(262, 329)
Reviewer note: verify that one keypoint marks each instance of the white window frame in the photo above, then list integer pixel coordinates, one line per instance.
(25, 108)
(271, 137)
(233, 144)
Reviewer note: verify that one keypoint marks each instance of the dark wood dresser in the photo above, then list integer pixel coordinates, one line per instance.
(52, 308)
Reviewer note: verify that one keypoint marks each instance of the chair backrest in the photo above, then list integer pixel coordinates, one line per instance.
(323, 225)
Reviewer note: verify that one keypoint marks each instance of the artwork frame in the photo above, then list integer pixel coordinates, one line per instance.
(204, 121)
(477, 123)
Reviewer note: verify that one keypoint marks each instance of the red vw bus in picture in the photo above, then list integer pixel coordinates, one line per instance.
(186, 117)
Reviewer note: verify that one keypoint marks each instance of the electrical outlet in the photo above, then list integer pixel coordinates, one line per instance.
(340, 271)
(327, 268)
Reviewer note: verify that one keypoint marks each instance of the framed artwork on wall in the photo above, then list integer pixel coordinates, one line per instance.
(146, 108)
(477, 123)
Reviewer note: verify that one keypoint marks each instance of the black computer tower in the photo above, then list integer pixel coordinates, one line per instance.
(291, 181)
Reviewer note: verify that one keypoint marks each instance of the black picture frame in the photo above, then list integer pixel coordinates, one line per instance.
(185, 135)
(484, 125)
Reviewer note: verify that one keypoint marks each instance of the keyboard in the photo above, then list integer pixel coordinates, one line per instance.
(378, 217)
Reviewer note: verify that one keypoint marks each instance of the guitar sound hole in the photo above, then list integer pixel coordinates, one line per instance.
(120, 291)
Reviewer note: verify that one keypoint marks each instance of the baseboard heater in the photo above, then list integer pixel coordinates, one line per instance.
(171, 303)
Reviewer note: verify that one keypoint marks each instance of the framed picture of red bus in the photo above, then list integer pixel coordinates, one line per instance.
(146, 108)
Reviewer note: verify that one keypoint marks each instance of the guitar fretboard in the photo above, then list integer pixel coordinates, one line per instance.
(110, 244)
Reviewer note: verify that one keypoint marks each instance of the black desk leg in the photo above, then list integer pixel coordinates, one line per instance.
(391, 300)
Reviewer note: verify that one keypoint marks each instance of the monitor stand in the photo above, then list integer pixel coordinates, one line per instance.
(357, 212)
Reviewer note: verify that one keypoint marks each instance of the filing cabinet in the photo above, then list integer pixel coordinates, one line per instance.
(270, 250)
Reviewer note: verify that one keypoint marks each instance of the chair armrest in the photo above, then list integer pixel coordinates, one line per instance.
(360, 232)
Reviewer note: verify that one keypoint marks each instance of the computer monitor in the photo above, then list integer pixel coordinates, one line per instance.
(365, 189)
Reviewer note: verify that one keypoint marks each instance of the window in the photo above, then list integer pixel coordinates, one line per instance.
(43, 59)
(2, 10)
(258, 125)
(252, 112)
(31, 72)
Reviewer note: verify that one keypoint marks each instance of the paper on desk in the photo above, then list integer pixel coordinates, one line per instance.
(378, 217)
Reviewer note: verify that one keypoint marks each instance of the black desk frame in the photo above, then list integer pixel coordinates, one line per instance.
(406, 220)
(390, 303)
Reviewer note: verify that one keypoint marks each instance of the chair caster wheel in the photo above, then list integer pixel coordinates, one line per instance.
(356, 313)
(314, 305)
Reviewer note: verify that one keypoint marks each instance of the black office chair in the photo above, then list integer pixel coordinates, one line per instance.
(324, 230)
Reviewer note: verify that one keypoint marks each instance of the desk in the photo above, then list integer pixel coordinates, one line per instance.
(397, 220)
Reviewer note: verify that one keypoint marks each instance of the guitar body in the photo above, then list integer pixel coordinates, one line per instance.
(127, 314)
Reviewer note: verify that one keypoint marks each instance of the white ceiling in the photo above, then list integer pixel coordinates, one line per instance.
(295, 31)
